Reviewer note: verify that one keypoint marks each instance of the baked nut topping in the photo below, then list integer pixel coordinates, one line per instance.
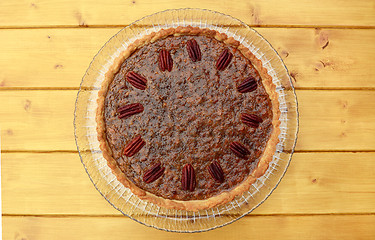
(216, 171)
(134, 146)
(188, 178)
(193, 50)
(224, 59)
(251, 120)
(165, 60)
(248, 85)
(153, 173)
(239, 149)
(136, 80)
(129, 110)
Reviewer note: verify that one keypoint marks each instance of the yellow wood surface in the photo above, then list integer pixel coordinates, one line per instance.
(285, 227)
(118, 12)
(311, 177)
(49, 57)
(328, 46)
(329, 120)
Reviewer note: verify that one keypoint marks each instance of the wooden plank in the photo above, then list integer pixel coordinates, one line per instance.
(326, 58)
(49, 57)
(56, 183)
(49, 183)
(336, 120)
(260, 227)
(58, 58)
(37, 120)
(87, 12)
(329, 120)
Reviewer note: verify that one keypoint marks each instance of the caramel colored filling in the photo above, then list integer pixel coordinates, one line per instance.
(191, 115)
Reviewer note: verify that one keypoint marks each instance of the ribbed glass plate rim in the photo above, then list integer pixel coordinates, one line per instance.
(154, 211)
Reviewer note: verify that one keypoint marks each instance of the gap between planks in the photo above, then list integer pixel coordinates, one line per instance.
(142, 25)
(247, 215)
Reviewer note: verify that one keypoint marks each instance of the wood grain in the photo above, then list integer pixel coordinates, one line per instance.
(316, 58)
(37, 120)
(328, 48)
(260, 227)
(324, 183)
(37, 13)
(329, 120)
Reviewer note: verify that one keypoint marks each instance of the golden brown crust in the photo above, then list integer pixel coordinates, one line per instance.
(226, 196)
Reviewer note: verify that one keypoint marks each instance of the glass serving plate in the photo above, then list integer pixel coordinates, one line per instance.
(121, 197)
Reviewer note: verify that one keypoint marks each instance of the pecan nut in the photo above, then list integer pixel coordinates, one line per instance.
(188, 178)
(134, 146)
(247, 85)
(155, 172)
(193, 50)
(136, 80)
(239, 150)
(224, 59)
(251, 120)
(165, 60)
(216, 171)
(129, 110)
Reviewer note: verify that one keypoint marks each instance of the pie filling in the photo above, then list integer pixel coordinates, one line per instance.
(187, 117)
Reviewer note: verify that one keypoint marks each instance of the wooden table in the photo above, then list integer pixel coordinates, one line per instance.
(328, 47)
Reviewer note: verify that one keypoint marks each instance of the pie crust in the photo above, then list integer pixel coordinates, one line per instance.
(225, 196)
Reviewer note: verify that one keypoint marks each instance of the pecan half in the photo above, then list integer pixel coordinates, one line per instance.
(247, 85)
(193, 50)
(134, 146)
(153, 173)
(224, 59)
(165, 60)
(216, 172)
(239, 149)
(136, 80)
(251, 120)
(188, 178)
(129, 110)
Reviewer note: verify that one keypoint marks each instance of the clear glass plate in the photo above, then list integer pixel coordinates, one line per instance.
(150, 214)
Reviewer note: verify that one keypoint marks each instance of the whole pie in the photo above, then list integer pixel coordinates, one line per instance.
(188, 118)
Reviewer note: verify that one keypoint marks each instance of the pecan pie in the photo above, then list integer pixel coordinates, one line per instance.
(188, 118)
